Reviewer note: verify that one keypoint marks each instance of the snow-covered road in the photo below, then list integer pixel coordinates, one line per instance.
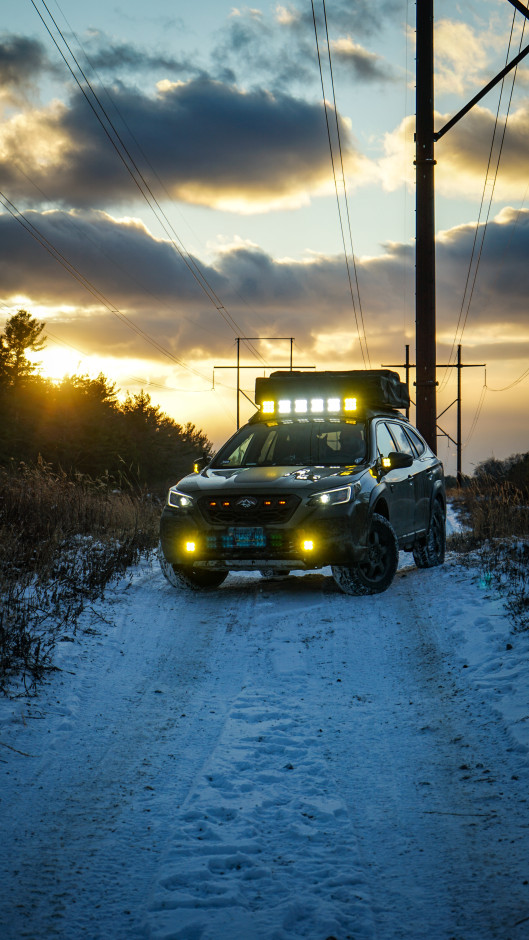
(274, 760)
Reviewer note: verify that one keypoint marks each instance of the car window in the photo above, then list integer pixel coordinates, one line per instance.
(416, 440)
(403, 442)
(235, 457)
(334, 442)
(385, 442)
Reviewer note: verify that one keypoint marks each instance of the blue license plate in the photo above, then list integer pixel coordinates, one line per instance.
(247, 536)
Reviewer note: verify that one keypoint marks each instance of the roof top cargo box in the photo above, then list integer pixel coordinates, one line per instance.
(374, 388)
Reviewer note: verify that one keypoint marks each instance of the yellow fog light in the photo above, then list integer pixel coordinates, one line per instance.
(191, 547)
(386, 462)
(308, 545)
(349, 404)
(267, 407)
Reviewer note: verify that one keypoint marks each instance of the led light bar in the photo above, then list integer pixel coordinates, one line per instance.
(303, 406)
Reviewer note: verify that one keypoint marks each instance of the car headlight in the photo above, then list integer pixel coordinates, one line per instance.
(179, 500)
(332, 497)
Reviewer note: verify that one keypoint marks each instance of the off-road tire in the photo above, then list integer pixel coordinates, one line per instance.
(187, 577)
(376, 571)
(430, 551)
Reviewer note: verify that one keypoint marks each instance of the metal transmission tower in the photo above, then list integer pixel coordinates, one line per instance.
(459, 365)
(425, 137)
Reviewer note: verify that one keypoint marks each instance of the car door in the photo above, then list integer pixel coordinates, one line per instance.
(423, 479)
(418, 482)
(401, 501)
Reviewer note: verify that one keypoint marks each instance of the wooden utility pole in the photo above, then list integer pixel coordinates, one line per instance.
(425, 351)
(425, 137)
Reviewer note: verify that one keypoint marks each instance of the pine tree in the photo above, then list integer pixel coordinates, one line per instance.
(22, 332)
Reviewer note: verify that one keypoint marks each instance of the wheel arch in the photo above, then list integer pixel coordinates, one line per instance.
(381, 508)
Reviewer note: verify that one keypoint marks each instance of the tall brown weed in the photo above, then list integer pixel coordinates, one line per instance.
(61, 542)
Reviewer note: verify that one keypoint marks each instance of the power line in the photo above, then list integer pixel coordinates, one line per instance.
(477, 414)
(86, 283)
(336, 185)
(484, 230)
(507, 387)
(344, 180)
(136, 175)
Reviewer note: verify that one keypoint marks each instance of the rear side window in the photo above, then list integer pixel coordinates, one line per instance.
(416, 440)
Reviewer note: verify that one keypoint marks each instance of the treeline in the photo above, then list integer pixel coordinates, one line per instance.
(80, 427)
(514, 470)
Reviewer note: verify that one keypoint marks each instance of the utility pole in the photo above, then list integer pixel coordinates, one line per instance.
(459, 365)
(425, 352)
(425, 137)
(238, 366)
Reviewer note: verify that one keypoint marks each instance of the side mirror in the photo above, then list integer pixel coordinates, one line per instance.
(200, 462)
(394, 461)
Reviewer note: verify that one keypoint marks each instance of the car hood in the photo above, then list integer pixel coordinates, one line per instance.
(268, 479)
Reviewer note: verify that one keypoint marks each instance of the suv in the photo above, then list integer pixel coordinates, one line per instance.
(327, 472)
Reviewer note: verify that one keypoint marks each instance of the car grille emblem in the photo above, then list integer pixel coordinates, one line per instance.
(247, 502)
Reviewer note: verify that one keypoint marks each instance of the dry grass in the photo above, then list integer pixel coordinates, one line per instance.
(61, 542)
(496, 537)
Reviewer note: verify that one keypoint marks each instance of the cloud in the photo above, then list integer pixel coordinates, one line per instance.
(22, 62)
(107, 55)
(212, 144)
(364, 66)
(145, 279)
(363, 18)
(281, 50)
(462, 155)
(460, 57)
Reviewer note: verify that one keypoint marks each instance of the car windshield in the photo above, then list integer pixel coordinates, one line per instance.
(313, 443)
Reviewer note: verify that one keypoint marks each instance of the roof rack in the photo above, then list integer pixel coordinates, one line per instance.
(284, 393)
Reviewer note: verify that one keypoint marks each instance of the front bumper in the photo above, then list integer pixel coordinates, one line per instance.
(185, 540)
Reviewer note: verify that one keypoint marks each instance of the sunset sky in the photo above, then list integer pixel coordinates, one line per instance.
(167, 186)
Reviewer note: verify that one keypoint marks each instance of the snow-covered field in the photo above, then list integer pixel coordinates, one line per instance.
(273, 761)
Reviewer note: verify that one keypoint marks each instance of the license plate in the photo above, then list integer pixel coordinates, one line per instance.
(247, 536)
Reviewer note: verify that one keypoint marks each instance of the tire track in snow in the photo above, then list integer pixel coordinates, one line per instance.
(435, 785)
(272, 761)
(139, 723)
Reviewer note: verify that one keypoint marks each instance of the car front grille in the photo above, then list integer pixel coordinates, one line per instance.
(248, 509)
